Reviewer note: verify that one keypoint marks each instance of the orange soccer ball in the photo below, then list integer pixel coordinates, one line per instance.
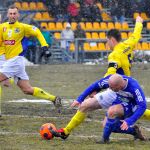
(45, 131)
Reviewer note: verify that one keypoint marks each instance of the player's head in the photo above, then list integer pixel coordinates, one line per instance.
(113, 37)
(13, 14)
(116, 82)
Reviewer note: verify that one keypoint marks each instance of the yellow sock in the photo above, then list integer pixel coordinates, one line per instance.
(75, 121)
(11, 80)
(42, 94)
(146, 115)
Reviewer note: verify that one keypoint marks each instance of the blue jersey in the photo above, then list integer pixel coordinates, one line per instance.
(132, 93)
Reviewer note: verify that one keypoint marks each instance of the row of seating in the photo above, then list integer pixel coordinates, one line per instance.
(30, 5)
(86, 25)
(93, 46)
(142, 14)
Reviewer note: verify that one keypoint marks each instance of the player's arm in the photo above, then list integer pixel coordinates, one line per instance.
(113, 64)
(141, 107)
(135, 37)
(96, 86)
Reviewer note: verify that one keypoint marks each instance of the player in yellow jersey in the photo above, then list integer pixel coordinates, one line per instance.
(119, 61)
(12, 34)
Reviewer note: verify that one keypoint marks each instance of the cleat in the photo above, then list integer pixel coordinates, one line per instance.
(103, 141)
(57, 102)
(59, 133)
(138, 134)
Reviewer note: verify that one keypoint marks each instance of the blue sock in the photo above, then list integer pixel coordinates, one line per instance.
(108, 128)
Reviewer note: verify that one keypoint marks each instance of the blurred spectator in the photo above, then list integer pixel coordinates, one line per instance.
(80, 33)
(68, 36)
(117, 13)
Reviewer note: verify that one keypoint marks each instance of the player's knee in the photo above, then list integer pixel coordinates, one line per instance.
(28, 91)
(111, 113)
(84, 107)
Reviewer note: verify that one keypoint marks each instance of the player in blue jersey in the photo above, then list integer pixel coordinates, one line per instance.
(129, 104)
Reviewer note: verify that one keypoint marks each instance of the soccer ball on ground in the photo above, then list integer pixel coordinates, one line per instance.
(45, 131)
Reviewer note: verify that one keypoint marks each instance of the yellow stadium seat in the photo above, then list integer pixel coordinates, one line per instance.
(44, 24)
(117, 25)
(138, 46)
(57, 35)
(99, 5)
(95, 35)
(110, 25)
(51, 26)
(103, 25)
(145, 46)
(86, 46)
(144, 16)
(107, 46)
(38, 16)
(18, 5)
(93, 47)
(82, 25)
(64, 25)
(148, 25)
(101, 46)
(73, 25)
(105, 16)
(129, 34)
(125, 26)
(59, 26)
(135, 15)
(46, 16)
(72, 47)
(102, 35)
(32, 6)
(25, 6)
(88, 26)
(96, 26)
(124, 35)
(40, 6)
(88, 35)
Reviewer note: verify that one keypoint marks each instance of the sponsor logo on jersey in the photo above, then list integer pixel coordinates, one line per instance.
(34, 28)
(9, 42)
(17, 30)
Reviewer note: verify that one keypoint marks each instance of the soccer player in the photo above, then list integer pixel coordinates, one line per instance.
(119, 61)
(12, 34)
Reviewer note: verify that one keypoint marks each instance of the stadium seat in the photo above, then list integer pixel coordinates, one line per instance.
(125, 26)
(118, 25)
(96, 26)
(138, 46)
(110, 25)
(93, 46)
(144, 16)
(103, 25)
(38, 16)
(51, 26)
(101, 47)
(135, 15)
(88, 35)
(95, 35)
(82, 25)
(148, 25)
(25, 5)
(124, 35)
(88, 26)
(86, 46)
(102, 35)
(44, 24)
(129, 34)
(105, 16)
(73, 25)
(40, 6)
(46, 16)
(59, 26)
(57, 35)
(32, 6)
(64, 25)
(18, 5)
(145, 46)
(99, 5)
(72, 47)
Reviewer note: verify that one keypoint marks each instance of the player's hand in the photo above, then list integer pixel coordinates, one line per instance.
(124, 125)
(45, 51)
(75, 104)
(139, 19)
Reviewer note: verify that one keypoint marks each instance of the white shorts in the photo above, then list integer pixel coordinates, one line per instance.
(2, 60)
(106, 98)
(15, 67)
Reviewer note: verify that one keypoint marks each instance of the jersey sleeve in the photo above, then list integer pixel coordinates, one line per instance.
(141, 107)
(113, 63)
(96, 86)
(34, 31)
(135, 37)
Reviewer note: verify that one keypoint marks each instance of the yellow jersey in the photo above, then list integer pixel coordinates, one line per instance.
(13, 35)
(121, 57)
(2, 50)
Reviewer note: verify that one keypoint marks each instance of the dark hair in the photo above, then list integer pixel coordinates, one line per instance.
(13, 7)
(115, 34)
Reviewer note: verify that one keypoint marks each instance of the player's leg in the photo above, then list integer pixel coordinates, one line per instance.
(35, 91)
